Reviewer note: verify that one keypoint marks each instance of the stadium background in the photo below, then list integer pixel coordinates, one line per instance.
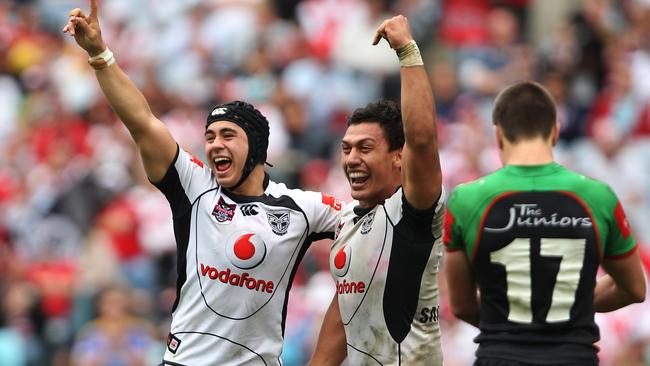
(78, 219)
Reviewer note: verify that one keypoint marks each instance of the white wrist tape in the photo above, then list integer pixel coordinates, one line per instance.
(103, 60)
(409, 55)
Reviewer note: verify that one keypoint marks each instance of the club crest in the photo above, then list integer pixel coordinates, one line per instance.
(279, 222)
(223, 211)
(366, 225)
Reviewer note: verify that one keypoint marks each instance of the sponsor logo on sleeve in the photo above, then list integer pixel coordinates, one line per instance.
(279, 222)
(173, 343)
(331, 201)
(195, 160)
(621, 221)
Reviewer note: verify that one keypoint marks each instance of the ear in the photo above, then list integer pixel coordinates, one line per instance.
(397, 159)
(498, 133)
(555, 133)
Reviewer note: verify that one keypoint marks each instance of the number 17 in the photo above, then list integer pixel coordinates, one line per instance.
(515, 257)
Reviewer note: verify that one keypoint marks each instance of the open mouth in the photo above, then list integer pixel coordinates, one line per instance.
(357, 179)
(222, 163)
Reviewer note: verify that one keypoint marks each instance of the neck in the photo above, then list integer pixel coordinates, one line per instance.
(253, 185)
(379, 198)
(527, 152)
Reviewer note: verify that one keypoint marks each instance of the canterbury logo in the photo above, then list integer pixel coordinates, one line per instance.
(249, 210)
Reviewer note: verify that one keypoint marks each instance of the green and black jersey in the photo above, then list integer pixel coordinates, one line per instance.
(535, 236)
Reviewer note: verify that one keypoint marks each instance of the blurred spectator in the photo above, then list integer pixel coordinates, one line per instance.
(115, 337)
(77, 214)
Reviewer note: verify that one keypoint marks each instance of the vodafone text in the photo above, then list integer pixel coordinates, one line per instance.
(346, 287)
(234, 279)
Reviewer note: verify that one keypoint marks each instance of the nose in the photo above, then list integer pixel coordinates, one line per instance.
(353, 158)
(217, 143)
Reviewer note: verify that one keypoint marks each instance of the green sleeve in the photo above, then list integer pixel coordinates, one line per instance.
(619, 241)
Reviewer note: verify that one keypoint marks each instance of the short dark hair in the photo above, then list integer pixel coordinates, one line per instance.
(389, 116)
(524, 110)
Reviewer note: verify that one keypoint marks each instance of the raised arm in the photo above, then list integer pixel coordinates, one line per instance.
(421, 175)
(155, 143)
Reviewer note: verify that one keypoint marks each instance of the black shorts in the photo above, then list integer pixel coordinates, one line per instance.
(499, 362)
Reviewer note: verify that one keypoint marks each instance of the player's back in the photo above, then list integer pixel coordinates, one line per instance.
(535, 236)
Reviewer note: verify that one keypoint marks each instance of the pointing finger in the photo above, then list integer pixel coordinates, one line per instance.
(93, 9)
(379, 34)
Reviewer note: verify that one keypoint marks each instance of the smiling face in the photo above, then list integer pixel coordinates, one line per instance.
(371, 169)
(226, 148)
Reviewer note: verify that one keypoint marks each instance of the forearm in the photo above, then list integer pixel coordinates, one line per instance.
(609, 297)
(126, 100)
(470, 315)
(331, 348)
(418, 112)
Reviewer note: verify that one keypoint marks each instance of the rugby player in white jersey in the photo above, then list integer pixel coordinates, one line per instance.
(239, 235)
(386, 255)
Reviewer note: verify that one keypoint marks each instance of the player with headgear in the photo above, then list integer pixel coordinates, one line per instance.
(240, 236)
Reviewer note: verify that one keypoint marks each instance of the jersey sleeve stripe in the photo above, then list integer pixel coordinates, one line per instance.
(449, 222)
(624, 255)
(482, 222)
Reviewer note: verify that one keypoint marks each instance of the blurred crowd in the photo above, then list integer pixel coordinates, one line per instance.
(87, 253)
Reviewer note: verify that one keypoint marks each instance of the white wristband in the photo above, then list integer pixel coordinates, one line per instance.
(103, 60)
(409, 55)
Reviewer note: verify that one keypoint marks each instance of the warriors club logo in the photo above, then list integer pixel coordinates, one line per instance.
(341, 262)
(223, 211)
(247, 251)
(366, 225)
(279, 222)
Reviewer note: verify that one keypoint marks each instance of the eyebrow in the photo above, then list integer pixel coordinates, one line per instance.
(360, 142)
(220, 131)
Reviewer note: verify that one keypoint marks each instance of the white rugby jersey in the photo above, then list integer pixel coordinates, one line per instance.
(237, 257)
(385, 264)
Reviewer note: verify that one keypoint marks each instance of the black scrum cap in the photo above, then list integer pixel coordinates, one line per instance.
(253, 123)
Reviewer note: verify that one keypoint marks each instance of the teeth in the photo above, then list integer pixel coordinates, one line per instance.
(220, 159)
(355, 175)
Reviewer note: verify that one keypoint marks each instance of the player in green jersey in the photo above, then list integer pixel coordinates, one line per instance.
(531, 237)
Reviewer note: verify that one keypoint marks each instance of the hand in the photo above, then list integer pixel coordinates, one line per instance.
(395, 30)
(85, 30)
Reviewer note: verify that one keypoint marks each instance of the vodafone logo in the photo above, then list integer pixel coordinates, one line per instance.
(341, 262)
(246, 251)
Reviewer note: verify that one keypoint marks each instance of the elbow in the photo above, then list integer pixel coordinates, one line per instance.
(464, 313)
(639, 294)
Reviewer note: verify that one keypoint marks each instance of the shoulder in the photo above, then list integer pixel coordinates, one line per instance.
(471, 191)
(303, 198)
(589, 188)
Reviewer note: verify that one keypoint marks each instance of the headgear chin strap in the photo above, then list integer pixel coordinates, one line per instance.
(253, 123)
